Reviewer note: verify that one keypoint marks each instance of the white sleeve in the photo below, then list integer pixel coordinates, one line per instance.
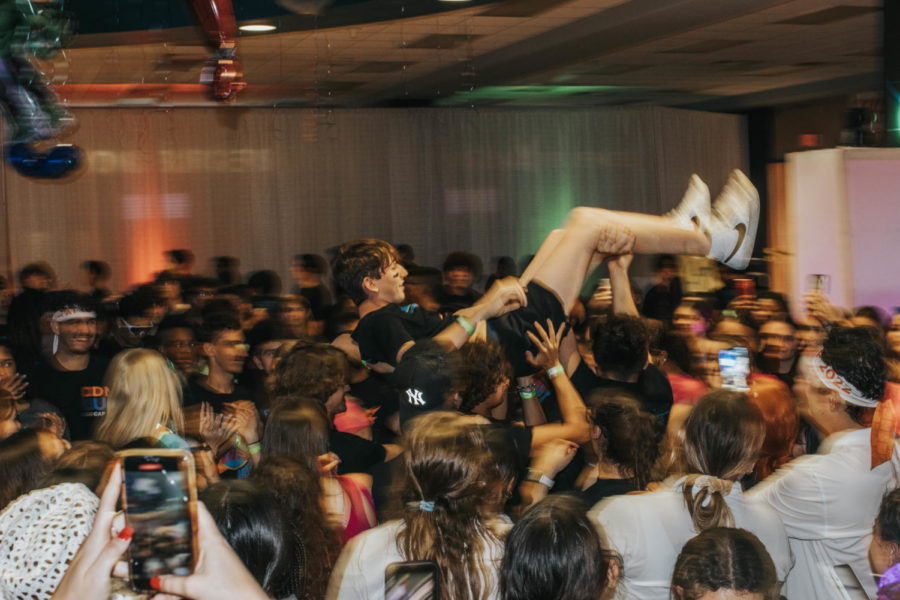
(796, 493)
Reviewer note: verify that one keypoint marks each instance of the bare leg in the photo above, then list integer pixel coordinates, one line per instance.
(656, 235)
(544, 252)
(563, 260)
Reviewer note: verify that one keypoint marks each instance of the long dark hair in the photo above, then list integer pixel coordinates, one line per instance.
(22, 464)
(554, 553)
(629, 436)
(298, 428)
(257, 529)
(295, 487)
(444, 468)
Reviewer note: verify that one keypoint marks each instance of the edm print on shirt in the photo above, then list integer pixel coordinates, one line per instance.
(93, 400)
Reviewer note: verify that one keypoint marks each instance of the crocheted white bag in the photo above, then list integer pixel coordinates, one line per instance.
(40, 532)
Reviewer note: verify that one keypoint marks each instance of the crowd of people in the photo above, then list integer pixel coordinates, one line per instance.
(385, 423)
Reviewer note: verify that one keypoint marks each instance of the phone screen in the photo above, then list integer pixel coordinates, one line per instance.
(158, 498)
(411, 581)
(734, 366)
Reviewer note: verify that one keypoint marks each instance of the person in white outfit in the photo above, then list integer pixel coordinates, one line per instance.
(723, 435)
(449, 483)
(828, 501)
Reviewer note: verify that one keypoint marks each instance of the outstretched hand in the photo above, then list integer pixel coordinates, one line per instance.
(505, 295)
(818, 307)
(619, 262)
(15, 386)
(615, 240)
(547, 345)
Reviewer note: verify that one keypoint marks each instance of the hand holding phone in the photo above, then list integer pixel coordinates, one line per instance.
(87, 577)
(734, 367)
(159, 497)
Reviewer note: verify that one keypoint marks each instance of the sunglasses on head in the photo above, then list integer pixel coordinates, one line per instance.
(137, 330)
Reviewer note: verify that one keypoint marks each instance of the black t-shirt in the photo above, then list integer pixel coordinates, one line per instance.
(79, 395)
(652, 388)
(450, 303)
(604, 488)
(358, 455)
(319, 299)
(375, 392)
(197, 393)
(382, 332)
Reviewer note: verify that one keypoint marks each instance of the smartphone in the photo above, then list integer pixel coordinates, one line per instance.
(734, 367)
(819, 282)
(745, 287)
(411, 581)
(852, 588)
(159, 498)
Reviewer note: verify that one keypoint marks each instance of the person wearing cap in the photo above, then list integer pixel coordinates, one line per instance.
(828, 501)
(71, 378)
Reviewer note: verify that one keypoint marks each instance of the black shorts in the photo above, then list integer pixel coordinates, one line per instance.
(510, 329)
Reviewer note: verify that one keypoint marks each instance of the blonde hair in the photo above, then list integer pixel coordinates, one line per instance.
(144, 393)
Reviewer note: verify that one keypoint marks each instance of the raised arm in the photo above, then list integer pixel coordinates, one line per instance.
(504, 295)
(623, 299)
(575, 426)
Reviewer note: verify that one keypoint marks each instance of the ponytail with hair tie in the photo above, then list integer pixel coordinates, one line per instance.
(707, 505)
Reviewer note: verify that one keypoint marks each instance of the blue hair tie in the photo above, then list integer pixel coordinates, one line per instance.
(422, 505)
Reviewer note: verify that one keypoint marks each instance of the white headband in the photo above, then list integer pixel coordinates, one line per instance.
(67, 314)
(846, 390)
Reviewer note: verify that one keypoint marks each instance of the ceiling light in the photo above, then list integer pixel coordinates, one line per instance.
(256, 28)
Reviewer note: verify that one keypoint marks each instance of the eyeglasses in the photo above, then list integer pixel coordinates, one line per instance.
(137, 330)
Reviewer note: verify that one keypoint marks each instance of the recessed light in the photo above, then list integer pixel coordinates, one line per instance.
(256, 28)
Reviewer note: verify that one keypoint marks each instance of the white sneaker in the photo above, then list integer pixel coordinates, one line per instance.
(693, 212)
(735, 216)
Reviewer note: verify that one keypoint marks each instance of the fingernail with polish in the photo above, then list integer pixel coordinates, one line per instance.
(126, 533)
(154, 583)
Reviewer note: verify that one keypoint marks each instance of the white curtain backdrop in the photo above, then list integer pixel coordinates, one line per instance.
(265, 184)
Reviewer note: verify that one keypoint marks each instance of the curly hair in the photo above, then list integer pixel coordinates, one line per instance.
(855, 354)
(629, 437)
(359, 259)
(620, 345)
(724, 559)
(888, 520)
(483, 366)
(315, 370)
(445, 463)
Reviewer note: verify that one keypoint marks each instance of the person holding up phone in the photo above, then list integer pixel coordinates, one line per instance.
(219, 573)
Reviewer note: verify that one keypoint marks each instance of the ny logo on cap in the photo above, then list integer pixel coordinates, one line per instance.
(414, 397)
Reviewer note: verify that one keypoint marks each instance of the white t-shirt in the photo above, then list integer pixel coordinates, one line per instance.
(649, 530)
(828, 503)
(359, 573)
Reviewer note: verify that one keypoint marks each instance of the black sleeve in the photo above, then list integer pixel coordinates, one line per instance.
(380, 336)
(358, 455)
(656, 392)
(583, 380)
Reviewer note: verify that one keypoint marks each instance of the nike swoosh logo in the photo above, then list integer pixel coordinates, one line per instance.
(742, 232)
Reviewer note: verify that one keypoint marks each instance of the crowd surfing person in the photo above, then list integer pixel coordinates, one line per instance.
(304, 523)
